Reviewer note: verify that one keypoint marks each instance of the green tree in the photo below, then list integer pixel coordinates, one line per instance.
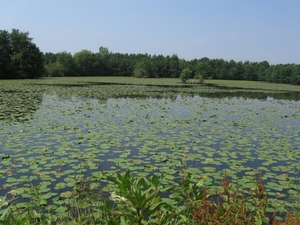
(199, 77)
(295, 75)
(140, 72)
(143, 69)
(20, 57)
(102, 58)
(160, 66)
(49, 57)
(5, 52)
(174, 66)
(103, 51)
(250, 71)
(262, 69)
(86, 63)
(54, 69)
(67, 63)
(204, 68)
(185, 75)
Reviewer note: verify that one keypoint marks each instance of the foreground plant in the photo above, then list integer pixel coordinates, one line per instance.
(139, 200)
(230, 207)
(233, 208)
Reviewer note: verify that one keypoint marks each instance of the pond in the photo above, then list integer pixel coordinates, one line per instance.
(54, 135)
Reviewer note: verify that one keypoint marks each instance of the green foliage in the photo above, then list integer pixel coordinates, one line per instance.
(185, 75)
(4, 210)
(143, 69)
(54, 69)
(200, 78)
(19, 57)
(136, 200)
(49, 57)
(107, 63)
(174, 66)
(86, 63)
(5, 53)
(67, 63)
(103, 51)
(140, 73)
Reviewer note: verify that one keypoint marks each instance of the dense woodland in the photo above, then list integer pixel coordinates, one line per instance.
(21, 58)
(104, 63)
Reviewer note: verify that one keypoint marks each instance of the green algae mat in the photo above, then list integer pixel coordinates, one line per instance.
(55, 131)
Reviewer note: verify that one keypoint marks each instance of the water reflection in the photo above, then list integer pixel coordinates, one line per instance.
(253, 95)
(18, 106)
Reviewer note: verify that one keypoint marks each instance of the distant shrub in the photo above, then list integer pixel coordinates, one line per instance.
(199, 77)
(185, 75)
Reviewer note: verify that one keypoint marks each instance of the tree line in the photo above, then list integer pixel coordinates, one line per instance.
(106, 63)
(20, 58)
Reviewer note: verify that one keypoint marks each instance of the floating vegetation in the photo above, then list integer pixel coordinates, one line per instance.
(53, 132)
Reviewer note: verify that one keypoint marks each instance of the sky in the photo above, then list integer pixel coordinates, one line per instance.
(254, 30)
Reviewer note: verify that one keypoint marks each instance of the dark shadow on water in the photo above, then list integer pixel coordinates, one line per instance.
(194, 90)
(239, 94)
(253, 95)
(87, 84)
(225, 87)
(178, 85)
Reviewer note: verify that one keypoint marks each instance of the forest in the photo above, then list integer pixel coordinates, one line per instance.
(21, 58)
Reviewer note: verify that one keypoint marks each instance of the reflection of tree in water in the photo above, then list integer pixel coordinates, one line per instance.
(262, 94)
(105, 90)
(17, 105)
(217, 92)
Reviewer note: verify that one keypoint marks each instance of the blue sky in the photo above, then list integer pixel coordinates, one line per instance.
(253, 30)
